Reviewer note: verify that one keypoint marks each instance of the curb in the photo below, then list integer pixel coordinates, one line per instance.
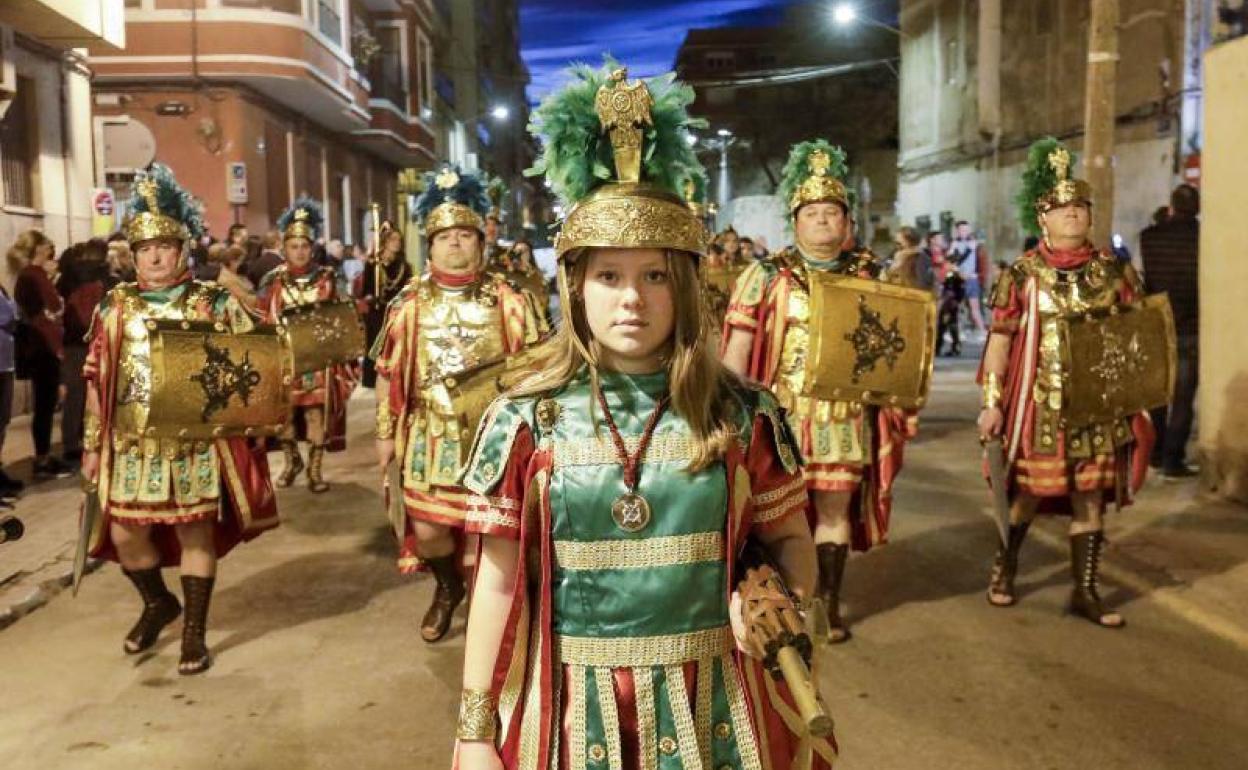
(42, 593)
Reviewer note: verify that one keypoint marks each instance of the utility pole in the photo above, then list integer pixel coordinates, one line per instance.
(1099, 113)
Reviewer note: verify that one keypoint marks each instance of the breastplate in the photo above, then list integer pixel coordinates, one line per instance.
(300, 291)
(791, 374)
(134, 362)
(459, 329)
(1062, 293)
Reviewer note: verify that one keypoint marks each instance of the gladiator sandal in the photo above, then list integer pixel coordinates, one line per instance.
(1085, 601)
(160, 608)
(832, 558)
(316, 482)
(446, 597)
(1005, 567)
(294, 463)
(197, 592)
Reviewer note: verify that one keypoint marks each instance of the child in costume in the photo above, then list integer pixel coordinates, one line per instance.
(615, 490)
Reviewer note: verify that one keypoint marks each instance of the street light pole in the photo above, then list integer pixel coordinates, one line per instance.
(722, 142)
(1099, 114)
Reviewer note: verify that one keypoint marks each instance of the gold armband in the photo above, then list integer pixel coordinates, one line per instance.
(477, 716)
(385, 421)
(992, 390)
(91, 433)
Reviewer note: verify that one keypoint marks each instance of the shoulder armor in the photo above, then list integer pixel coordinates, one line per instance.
(756, 400)
(491, 447)
(865, 261)
(268, 278)
(752, 284)
(1012, 277)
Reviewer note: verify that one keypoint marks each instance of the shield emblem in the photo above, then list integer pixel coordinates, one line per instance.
(870, 342)
(207, 383)
(1117, 361)
(322, 334)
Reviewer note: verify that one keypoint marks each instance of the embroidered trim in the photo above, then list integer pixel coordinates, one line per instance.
(702, 712)
(772, 512)
(668, 551)
(580, 719)
(647, 728)
(492, 516)
(767, 498)
(747, 741)
(628, 651)
(605, 681)
(686, 735)
(664, 448)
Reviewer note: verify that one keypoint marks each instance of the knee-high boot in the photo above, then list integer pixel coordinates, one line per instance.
(832, 557)
(197, 593)
(160, 608)
(1085, 565)
(294, 463)
(446, 597)
(316, 482)
(1005, 566)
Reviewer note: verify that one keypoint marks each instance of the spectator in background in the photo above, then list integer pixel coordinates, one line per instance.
(270, 257)
(935, 251)
(1161, 214)
(120, 262)
(40, 341)
(353, 265)
(907, 267)
(9, 486)
(208, 269)
(746, 253)
(84, 279)
(228, 261)
(237, 236)
(1170, 253)
(967, 256)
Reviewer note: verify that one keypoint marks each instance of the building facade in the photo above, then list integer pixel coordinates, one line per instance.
(981, 80)
(771, 87)
(45, 114)
(255, 102)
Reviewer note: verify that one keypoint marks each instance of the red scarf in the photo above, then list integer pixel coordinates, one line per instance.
(299, 272)
(1066, 259)
(453, 280)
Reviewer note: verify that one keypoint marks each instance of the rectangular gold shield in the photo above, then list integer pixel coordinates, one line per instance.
(473, 390)
(1117, 361)
(208, 383)
(870, 342)
(323, 334)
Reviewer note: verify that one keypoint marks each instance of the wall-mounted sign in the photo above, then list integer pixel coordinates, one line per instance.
(236, 182)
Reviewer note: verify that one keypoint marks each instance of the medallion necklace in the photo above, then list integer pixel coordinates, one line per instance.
(630, 510)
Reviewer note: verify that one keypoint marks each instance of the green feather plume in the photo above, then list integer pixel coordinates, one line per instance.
(1038, 179)
(797, 168)
(576, 153)
(314, 216)
(172, 200)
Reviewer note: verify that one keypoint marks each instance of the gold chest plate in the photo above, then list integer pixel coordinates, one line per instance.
(459, 330)
(1119, 360)
(208, 383)
(869, 341)
(322, 334)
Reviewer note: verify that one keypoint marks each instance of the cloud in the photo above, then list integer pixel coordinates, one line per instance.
(644, 34)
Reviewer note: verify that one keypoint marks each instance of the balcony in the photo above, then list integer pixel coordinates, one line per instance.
(68, 23)
(280, 54)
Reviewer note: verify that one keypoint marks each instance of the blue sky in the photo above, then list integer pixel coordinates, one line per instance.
(644, 34)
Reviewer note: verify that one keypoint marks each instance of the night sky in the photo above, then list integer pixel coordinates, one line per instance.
(644, 34)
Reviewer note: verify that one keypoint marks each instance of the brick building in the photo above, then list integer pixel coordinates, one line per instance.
(320, 97)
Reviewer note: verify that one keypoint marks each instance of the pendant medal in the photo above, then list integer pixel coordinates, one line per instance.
(631, 512)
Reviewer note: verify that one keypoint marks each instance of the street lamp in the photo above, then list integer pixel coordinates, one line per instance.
(500, 112)
(844, 14)
(722, 142)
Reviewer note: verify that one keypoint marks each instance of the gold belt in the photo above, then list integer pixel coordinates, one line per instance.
(630, 651)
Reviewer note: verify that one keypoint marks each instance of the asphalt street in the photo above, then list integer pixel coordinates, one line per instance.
(318, 663)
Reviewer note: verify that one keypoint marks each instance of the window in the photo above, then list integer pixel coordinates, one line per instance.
(283, 6)
(424, 64)
(386, 73)
(329, 19)
(19, 150)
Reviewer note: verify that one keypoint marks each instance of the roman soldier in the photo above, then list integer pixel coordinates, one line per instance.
(381, 281)
(162, 501)
(852, 451)
(319, 398)
(1053, 467)
(456, 317)
(618, 489)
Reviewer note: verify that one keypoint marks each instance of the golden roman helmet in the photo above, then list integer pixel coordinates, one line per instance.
(301, 219)
(641, 206)
(814, 173)
(451, 198)
(160, 209)
(1065, 190)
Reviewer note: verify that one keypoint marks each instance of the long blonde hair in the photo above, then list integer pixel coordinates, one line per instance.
(699, 384)
(23, 249)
